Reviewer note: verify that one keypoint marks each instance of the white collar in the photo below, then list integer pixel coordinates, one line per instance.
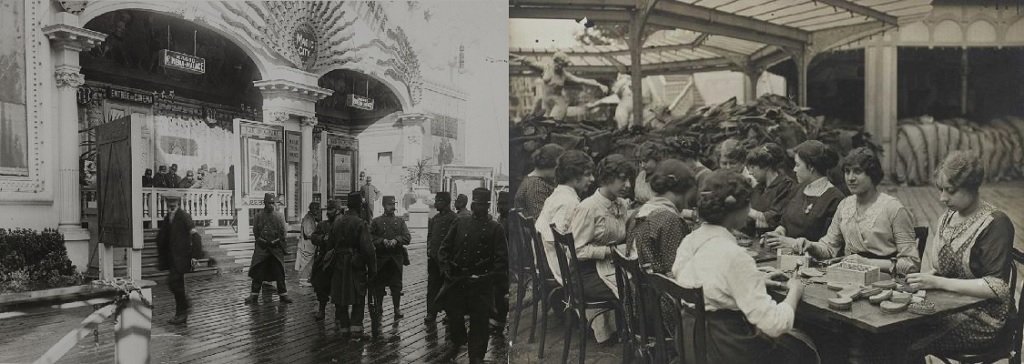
(818, 187)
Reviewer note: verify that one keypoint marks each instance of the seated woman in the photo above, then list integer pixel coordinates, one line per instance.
(809, 213)
(574, 173)
(970, 255)
(656, 230)
(598, 224)
(768, 165)
(731, 155)
(870, 227)
(649, 154)
(538, 185)
(744, 324)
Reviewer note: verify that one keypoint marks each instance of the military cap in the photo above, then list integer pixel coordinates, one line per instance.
(387, 200)
(503, 197)
(269, 198)
(481, 195)
(355, 196)
(333, 204)
(443, 196)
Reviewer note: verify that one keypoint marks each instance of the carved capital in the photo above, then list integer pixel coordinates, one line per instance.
(292, 89)
(275, 116)
(72, 38)
(309, 121)
(69, 78)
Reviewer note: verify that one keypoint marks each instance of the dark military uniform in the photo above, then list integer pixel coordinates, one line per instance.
(437, 229)
(499, 315)
(321, 273)
(472, 258)
(353, 259)
(389, 259)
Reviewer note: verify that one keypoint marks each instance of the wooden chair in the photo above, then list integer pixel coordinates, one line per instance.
(545, 288)
(521, 269)
(1009, 344)
(690, 301)
(576, 304)
(634, 297)
(922, 238)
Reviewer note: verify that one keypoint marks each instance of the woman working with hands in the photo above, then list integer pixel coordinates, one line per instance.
(872, 227)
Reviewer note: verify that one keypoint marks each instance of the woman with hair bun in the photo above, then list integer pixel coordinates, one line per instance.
(649, 154)
(540, 183)
(744, 324)
(969, 255)
(809, 213)
(656, 229)
(869, 227)
(598, 224)
(768, 164)
(575, 173)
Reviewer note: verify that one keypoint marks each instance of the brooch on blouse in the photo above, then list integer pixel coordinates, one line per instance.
(808, 209)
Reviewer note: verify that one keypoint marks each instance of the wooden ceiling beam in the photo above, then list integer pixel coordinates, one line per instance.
(862, 10)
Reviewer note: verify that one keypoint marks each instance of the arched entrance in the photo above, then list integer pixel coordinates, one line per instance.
(188, 108)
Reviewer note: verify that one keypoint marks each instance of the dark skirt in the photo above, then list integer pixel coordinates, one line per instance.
(731, 339)
(269, 270)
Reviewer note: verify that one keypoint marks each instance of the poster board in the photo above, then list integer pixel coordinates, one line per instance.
(342, 159)
(119, 183)
(261, 154)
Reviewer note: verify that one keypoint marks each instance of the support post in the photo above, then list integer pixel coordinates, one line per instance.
(635, 47)
(803, 62)
(964, 71)
(751, 76)
(67, 41)
(880, 99)
(306, 167)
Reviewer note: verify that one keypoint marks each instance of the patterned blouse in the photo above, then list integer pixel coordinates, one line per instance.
(881, 231)
(978, 247)
(655, 233)
(532, 193)
(808, 215)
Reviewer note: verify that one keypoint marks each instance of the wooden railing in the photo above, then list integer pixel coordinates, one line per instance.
(214, 206)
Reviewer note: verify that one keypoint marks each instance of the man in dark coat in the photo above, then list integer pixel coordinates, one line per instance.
(172, 177)
(160, 180)
(268, 256)
(473, 259)
(353, 261)
(320, 275)
(499, 315)
(147, 178)
(178, 245)
(437, 229)
(460, 205)
(390, 236)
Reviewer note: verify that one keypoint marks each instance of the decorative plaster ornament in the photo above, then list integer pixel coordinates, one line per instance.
(73, 7)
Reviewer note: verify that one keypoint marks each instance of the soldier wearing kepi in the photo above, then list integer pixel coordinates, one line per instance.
(322, 271)
(437, 229)
(499, 314)
(179, 245)
(390, 236)
(268, 257)
(353, 260)
(473, 258)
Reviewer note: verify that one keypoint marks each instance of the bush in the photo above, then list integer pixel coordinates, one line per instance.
(31, 260)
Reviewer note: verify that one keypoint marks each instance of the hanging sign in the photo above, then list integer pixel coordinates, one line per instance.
(182, 62)
(305, 44)
(359, 102)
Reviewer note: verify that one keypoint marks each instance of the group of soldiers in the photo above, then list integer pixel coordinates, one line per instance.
(168, 178)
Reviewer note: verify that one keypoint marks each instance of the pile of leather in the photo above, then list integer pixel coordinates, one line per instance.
(770, 118)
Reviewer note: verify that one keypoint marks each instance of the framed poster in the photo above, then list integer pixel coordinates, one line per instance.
(13, 117)
(342, 172)
(262, 173)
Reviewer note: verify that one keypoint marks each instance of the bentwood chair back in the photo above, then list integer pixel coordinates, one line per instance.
(677, 301)
(633, 294)
(576, 304)
(520, 263)
(922, 238)
(545, 287)
(1008, 345)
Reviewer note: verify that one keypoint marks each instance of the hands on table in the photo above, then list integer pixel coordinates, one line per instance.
(925, 281)
(776, 240)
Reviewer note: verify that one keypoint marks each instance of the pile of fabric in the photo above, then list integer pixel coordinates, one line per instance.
(770, 118)
(922, 143)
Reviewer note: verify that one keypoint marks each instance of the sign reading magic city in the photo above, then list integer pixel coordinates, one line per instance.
(182, 62)
(304, 40)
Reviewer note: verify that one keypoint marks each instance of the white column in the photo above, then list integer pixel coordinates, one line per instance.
(750, 77)
(306, 166)
(880, 99)
(67, 40)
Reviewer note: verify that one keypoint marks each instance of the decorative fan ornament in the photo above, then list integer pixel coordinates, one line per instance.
(73, 7)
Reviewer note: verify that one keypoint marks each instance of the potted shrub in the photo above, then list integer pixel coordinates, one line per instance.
(418, 177)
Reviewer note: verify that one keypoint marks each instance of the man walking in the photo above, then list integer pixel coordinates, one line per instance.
(268, 257)
(460, 205)
(499, 315)
(354, 260)
(178, 246)
(390, 236)
(323, 269)
(437, 229)
(473, 259)
(306, 249)
(370, 193)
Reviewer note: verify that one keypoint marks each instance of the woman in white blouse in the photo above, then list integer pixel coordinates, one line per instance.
(574, 173)
(744, 324)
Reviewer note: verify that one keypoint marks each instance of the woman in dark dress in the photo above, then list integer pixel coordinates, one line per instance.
(969, 255)
(768, 165)
(809, 213)
(539, 184)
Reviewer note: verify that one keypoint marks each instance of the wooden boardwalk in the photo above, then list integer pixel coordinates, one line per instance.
(222, 329)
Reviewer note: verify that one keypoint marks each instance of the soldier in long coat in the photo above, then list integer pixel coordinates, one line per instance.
(437, 229)
(390, 237)
(499, 315)
(178, 245)
(473, 259)
(322, 271)
(268, 256)
(354, 259)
